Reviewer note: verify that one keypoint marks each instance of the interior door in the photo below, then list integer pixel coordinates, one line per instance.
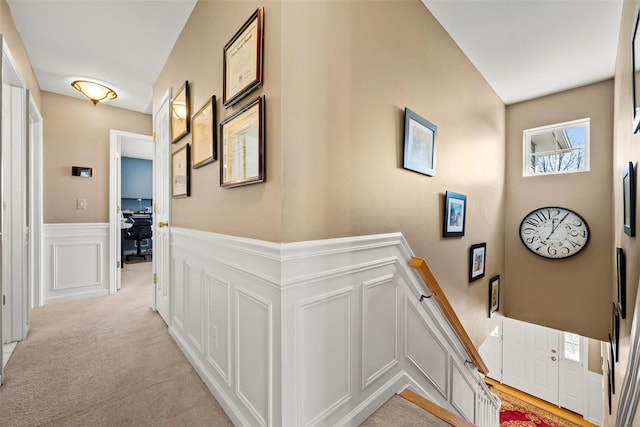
(162, 210)
(573, 372)
(115, 211)
(531, 359)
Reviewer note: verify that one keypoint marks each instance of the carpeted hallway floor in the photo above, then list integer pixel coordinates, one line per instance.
(105, 361)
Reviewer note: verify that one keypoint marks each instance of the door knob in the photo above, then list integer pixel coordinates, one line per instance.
(553, 358)
(163, 224)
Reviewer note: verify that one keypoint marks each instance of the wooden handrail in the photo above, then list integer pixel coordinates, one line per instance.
(433, 286)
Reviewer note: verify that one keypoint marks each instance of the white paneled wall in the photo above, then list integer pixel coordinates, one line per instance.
(315, 333)
(74, 261)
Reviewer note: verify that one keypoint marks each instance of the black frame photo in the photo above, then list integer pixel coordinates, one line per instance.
(243, 60)
(181, 173)
(629, 200)
(420, 143)
(455, 214)
(180, 113)
(621, 267)
(615, 330)
(477, 261)
(203, 135)
(494, 295)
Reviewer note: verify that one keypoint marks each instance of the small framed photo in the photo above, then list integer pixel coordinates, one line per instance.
(494, 295)
(455, 211)
(621, 265)
(419, 144)
(242, 60)
(180, 173)
(477, 260)
(180, 113)
(203, 137)
(615, 330)
(629, 199)
(612, 367)
(242, 146)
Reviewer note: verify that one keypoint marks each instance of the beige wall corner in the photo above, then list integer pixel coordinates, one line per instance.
(573, 294)
(76, 133)
(13, 40)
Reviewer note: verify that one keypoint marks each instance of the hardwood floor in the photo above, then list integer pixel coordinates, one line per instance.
(560, 412)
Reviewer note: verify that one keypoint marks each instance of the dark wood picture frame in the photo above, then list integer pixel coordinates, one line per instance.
(615, 330)
(612, 367)
(621, 267)
(245, 125)
(181, 173)
(494, 295)
(629, 199)
(420, 144)
(204, 149)
(455, 214)
(477, 261)
(243, 60)
(180, 111)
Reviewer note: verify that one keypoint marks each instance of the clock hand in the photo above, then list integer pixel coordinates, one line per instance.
(553, 229)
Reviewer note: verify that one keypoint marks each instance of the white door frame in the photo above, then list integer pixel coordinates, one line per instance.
(35, 204)
(15, 234)
(117, 138)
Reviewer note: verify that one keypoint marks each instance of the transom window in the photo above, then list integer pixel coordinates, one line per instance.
(559, 148)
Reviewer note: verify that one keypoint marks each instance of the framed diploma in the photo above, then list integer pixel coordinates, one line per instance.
(180, 173)
(180, 115)
(242, 146)
(203, 138)
(243, 60)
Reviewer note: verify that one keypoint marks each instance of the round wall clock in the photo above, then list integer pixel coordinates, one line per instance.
(554, 232)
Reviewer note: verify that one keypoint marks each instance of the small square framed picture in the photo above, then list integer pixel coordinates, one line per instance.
(455, 211)
(477, 260)
(419, 144)
(494, 295)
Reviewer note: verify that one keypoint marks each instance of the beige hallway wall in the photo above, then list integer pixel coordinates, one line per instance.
(76, 133)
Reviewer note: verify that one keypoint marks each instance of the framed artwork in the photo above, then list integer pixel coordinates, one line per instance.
(612, 367)
(477, 260)
(203, 137)
(180, 173)
(242, 60)
(494, 295)
(615, 330)
(242, 151)
(621, 265)
(180, 113)
(609, 387)
(455, 211)
(419, 144)
(629, 199)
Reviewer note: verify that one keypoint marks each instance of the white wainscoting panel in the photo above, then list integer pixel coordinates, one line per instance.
(316, 333)
(74, 261)
(595, 399)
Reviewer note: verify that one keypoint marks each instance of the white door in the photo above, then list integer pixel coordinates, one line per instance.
(115, 211)
(162, 210)
(573, 372)
(531, 359)
(491, 352)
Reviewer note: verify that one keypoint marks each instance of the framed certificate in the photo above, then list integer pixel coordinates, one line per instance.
(203, 138)
(180, 173)
(243, 60)
(242, 146)
(180, 113)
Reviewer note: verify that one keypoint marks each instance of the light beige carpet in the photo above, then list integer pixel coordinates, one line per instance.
(399, 412)
(105, 361)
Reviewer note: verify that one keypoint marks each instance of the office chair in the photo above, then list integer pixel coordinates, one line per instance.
(140, 230)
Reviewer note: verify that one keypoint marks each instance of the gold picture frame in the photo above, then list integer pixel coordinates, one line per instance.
(180, 113)
(203, 137)
(180, 173)
(242, 60)
(242, 146)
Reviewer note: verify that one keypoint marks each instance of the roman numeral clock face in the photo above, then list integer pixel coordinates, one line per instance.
(554, 232)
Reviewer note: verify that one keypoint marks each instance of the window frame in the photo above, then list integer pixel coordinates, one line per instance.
(527, 154)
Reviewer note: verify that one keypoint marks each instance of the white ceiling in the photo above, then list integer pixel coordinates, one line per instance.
(523, 48)
(530, 48)
(121, 43)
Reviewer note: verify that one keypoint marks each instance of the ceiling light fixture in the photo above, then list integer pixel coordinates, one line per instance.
(94, 91)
